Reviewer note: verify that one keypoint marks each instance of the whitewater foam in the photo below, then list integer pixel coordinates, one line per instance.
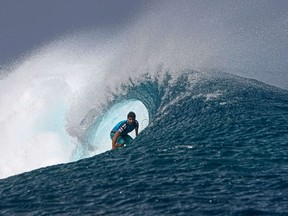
(42, 100)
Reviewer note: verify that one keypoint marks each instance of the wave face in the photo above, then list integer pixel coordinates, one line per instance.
(215, 144)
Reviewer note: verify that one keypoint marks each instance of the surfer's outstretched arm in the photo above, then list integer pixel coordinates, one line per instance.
(114, 140)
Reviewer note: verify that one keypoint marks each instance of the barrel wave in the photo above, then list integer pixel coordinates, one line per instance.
(216, 144)
(206, 79)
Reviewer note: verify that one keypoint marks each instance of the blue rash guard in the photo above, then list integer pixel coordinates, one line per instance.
(124, 128)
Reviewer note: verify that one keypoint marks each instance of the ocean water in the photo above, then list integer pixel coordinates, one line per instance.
(210, 144)
(208, 83)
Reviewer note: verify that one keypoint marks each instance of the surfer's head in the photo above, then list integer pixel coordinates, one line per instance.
(131, 117)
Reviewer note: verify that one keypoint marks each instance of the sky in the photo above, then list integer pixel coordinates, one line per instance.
(247, 37)
(26, 24)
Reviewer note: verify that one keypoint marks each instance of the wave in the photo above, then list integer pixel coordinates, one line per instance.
(54, 95)
(211, 142)
(60, 113)
(212, 138)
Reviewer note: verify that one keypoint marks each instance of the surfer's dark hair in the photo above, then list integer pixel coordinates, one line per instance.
(131, 115)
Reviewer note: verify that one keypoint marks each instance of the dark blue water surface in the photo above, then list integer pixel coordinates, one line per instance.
(216, 145)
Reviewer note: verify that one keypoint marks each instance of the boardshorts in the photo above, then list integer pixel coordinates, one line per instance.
(126, 139)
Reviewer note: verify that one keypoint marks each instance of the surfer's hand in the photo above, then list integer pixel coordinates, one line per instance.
(119, 145)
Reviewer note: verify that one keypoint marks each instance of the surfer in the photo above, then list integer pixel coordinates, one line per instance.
(119, 133)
